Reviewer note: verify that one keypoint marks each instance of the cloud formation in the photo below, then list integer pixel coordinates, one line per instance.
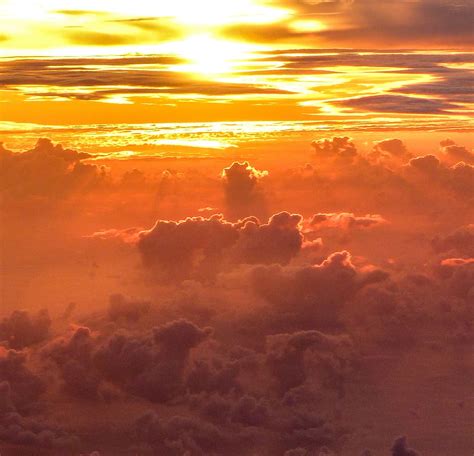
(197, 245)
(241, 186)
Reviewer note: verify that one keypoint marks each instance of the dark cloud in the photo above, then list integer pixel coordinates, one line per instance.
(452, 84)
(242, 190)
(426, 164)
(400, 448)
(179, 248)
(25, 387)
(390, 151)
(59, 78)
(453, 153)
(188, 435)
(200, 247)
(307, 346)
(21, 329)
(460, 241)
(151, 366)
(48, 170)
(312, 296)
(339, 147)
(287, 357)
(365, 22)
(458, 178)
(397, 103)
(26, 432)
(73, 356)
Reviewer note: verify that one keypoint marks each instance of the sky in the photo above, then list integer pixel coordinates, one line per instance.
(236, 228)
(86, 62)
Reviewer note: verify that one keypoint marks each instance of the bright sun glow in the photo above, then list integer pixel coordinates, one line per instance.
(209, 55)
(221, 12)
(189, 12)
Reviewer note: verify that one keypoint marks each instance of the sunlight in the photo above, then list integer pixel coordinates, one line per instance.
(209, 55)
(218, 12)
(188, 12)
(306, 25)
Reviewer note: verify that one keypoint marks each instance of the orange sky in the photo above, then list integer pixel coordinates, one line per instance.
(236, 227)
(86, 62)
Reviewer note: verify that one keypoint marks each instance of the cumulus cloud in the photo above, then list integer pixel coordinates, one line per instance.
(151, 366)
(429, 169)
(201, 246)
(453, 153)
(25, 387)
(287, 357)
(187, 435)
(340, 147)
(460, 241)
(390, 151)
(312, 296)
(21, 329)
(48, 170)
(242, 190)
(73, 356)
(459, 274)
(24, 431)
(303, 332)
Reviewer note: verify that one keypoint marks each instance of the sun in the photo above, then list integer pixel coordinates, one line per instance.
(206, 54)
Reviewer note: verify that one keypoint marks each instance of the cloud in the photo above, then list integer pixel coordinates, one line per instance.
(184, 434)
(426, 164)
(345, 220)
(460, 242)
(312, 296)
(400, 448)
(48, 170)
(449, 83)
(91, 38)
(301, 336)
(24, 431)
(365, 22)
(337, 147)
(458, 178)
(145, 30)
(286, 358)
(452, 153)
(260, 33)
(25, 387)
(151, 365)
(201, 247)
(118, 76)
(21, 329)
(390, 151)
(241, 186)
(73, 356)
(456, 262)
(396, 103)
(121, 308)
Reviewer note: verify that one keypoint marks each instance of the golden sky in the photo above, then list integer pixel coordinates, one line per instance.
(101, 61)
